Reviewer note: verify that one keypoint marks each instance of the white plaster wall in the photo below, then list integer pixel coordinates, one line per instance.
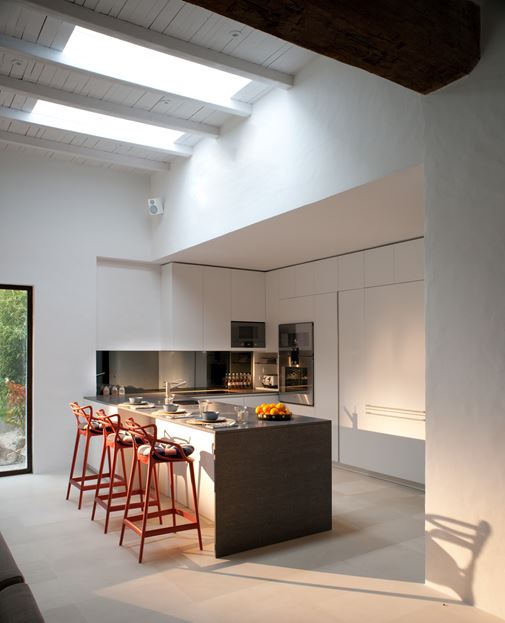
(465, 281)
(338, 127)
(55, 219)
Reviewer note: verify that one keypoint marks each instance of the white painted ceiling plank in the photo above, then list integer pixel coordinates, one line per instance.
(45, 144)
(162, 43)
(82, 102)
(166, 16)
(57, 60)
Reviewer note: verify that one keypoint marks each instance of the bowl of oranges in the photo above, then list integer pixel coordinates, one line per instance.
(273, 411)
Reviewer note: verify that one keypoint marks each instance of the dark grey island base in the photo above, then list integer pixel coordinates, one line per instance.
(272, 483)
(271, 480)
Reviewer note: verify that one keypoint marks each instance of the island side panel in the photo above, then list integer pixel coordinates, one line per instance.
(271, 485)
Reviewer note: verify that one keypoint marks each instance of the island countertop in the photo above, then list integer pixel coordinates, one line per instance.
(224, 409)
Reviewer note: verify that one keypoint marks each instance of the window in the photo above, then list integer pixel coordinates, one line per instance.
(15, 379)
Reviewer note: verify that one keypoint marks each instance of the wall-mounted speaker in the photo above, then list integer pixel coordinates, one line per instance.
(155, 206)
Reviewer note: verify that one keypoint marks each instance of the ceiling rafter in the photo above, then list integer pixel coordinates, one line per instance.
(160, 42)
(27, 117)
(85, 102)
(55, 58)
(14, 138)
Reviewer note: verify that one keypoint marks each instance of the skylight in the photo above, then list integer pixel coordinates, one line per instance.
(119, 59)
(77, 120)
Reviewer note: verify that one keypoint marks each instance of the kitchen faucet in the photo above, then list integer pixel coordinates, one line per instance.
(169, 387)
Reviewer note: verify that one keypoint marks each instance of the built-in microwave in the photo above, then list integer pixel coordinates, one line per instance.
(247, 334)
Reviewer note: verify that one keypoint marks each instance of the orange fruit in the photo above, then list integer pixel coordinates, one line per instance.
(280, 406)
(258, 409)
(274, 411)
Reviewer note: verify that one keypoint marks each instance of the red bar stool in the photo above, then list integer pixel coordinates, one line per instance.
(116, 442)
(152, 452)
(88, 427)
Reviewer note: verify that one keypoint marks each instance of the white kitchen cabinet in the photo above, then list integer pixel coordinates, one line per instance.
(381, 379)
(351, 271)
(304, 279)
(326, 275)
(409, 260)
(182, 307)
(379, 266)
(287, 282)
(272, 310)
(127, 306)
(325, 362)
(216, 308)
(248, 295)
(299, 309)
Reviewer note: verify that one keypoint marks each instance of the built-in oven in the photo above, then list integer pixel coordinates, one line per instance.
(296, 363)
(247, 334)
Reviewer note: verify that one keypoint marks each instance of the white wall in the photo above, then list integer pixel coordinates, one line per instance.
(465, 279)
(55, 219)
(337, 128)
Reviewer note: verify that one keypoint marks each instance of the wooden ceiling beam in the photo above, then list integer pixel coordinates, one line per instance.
(421, 44)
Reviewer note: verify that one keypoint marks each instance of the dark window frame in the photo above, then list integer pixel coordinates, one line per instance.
(29, 383)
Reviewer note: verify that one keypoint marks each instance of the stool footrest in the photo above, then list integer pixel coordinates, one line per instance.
(159, 531)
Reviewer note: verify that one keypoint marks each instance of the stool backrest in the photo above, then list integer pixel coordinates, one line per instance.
(141, 435)
(83, 415)
(109, 423)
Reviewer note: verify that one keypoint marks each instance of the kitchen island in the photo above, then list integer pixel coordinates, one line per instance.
(262, 482)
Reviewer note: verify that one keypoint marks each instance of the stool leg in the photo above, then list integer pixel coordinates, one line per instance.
(123, 463)
(84, 467)
(111, 488)
(74, 457)
(99, 479)
(146, 509)
(193, 484)
(141, 489)
(131, 484)
(172, 492)
(156, 486)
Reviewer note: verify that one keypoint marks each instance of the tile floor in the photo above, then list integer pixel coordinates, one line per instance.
(370, 568)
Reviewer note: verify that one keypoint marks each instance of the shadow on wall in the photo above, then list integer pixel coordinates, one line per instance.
(446, 536)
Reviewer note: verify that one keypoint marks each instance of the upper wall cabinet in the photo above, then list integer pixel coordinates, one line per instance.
(182, 307)
(379, 266)
(127, 306)
(351, 271)
(326, 275)
(409, 261)
(247, 295)
(216, 308)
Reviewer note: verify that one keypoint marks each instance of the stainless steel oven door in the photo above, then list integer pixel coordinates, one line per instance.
(296, 383)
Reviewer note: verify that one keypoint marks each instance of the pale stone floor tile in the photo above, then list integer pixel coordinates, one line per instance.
(368, 569)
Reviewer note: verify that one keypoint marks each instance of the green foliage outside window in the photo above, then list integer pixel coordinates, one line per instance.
(13, 356)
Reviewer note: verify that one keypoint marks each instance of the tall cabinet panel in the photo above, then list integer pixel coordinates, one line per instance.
(325, 362)
(216, 308)
(381, 355)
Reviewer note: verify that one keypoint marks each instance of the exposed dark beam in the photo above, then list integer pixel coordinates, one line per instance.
(421, 44)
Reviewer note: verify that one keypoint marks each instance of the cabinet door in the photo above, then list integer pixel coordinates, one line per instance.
(187, 307)
(381, 346)
(248, 295)
(216, 308)
(272, 310)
